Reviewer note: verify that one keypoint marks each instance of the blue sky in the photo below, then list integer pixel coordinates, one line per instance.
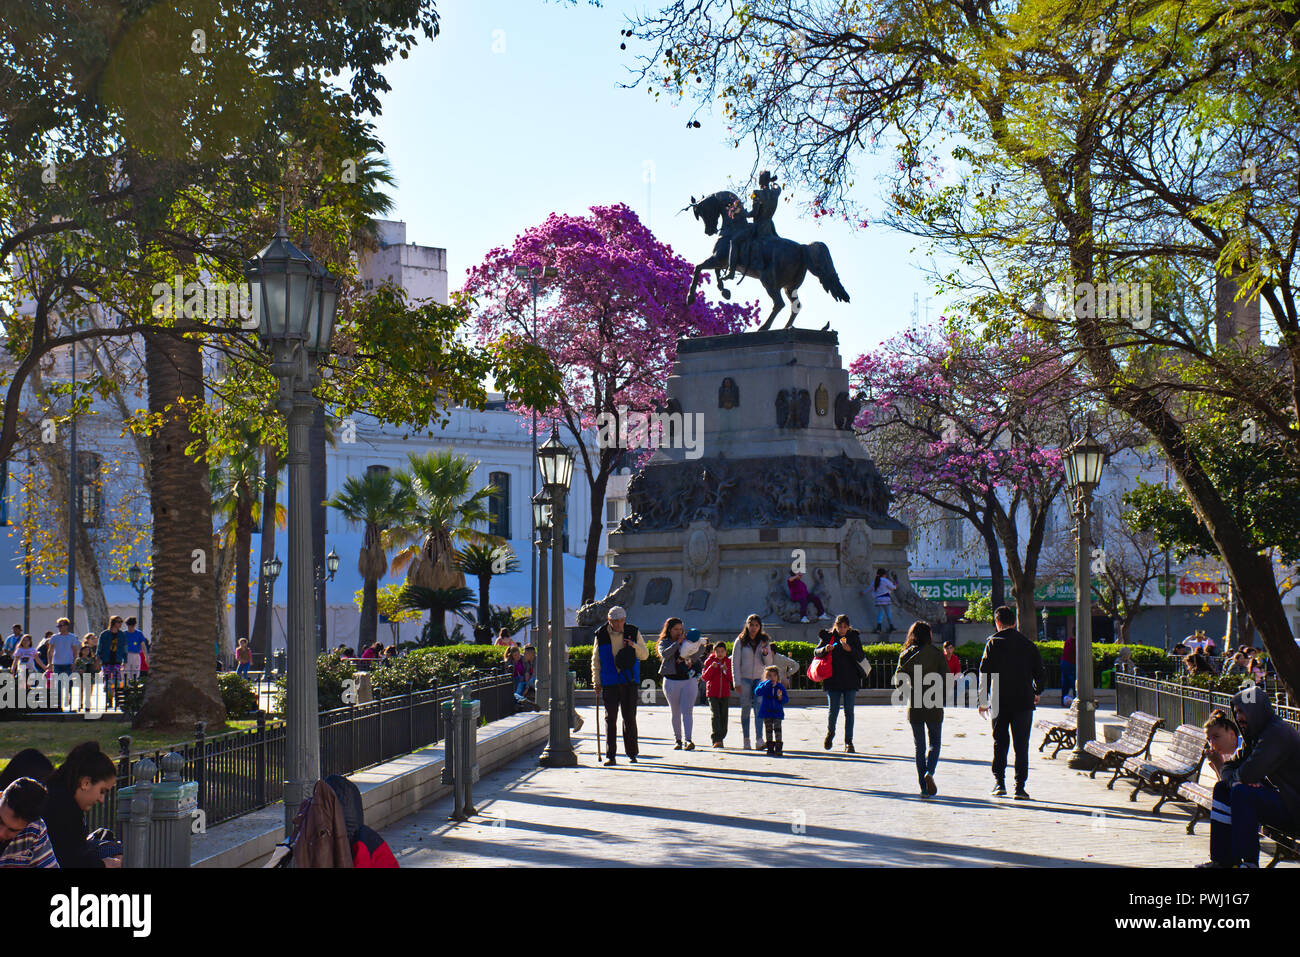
(516, 110)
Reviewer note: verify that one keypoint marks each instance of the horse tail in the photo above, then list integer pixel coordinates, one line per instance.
(819, 262)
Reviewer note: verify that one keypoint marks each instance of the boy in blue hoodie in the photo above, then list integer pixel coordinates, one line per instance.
(772, 698)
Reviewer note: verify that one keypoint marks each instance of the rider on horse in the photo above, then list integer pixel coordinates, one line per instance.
(760, 228)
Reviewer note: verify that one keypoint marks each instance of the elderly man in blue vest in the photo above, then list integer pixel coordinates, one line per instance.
(616, 657)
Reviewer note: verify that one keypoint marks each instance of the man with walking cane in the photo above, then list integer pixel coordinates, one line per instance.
(616, 657)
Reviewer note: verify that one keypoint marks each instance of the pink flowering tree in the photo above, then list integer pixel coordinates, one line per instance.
(975, 430)
(609, 320)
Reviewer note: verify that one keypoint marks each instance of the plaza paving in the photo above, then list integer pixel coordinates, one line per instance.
(809, 808)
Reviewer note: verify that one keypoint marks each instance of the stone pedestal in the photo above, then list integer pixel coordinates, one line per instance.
(767, 475)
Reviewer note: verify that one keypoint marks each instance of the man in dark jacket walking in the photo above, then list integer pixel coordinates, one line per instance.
(1260, 784)
(616, 656)
(1016, 679)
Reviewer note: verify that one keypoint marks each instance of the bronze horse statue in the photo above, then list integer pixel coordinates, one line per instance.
(779, 264)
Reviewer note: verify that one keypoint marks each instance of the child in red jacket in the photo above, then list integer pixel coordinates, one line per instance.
(718, 685)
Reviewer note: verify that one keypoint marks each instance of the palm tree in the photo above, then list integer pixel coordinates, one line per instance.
(443, 511)
(438, 602)
(236, 491)
(375, 501)
(483, 560)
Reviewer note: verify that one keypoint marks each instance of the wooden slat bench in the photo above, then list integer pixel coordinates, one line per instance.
(1134, 742)
(1062, 731)
(1163, 773)
(1201, 798)
(1286, 846)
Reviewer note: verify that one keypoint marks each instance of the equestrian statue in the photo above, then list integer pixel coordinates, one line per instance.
(748, 244)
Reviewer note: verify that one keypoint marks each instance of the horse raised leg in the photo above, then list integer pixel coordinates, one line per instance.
(778, 303)
(795, 305)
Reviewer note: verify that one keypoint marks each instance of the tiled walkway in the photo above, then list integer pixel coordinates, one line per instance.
(811, 807)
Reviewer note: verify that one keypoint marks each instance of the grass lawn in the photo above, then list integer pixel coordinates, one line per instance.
(56, 738)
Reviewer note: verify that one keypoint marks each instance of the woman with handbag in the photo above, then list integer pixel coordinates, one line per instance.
(842, 646)
(751, 654)
(676, 648)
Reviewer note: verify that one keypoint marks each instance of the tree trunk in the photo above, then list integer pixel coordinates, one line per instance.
(225, 574)
(484, 609)
(243, 545)
(182, 684)
(597, 524)
(369, 614)
(261, 637)
(997, 576)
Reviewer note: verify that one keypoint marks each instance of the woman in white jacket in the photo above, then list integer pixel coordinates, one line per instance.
(751, 654)
(680, 686)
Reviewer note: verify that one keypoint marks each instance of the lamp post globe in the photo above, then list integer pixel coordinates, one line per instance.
(332, 563)
(555, 461)
(1083, 463)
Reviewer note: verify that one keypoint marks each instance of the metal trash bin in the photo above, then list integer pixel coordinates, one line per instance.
(160, 834)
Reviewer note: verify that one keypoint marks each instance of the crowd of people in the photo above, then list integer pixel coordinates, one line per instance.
(117, 655)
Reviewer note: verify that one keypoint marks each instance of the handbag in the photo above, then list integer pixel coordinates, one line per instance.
(819, 669)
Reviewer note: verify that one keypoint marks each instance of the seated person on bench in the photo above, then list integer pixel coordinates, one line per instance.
(1259, 784)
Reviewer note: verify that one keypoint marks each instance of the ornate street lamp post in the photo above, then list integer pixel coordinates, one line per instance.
(141, 582)
(294, 302)
(332, 563)
(270, 572)
(541, 627)
(1083, 463)
(556, 464)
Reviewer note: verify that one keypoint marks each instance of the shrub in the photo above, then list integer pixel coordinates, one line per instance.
(331, 673)
(236, 694)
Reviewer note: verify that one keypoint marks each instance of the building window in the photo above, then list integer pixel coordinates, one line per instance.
(377, 469)
(952, 533)
(612, 514)
(499, 505)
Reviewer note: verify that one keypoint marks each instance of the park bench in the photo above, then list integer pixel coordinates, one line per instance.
(1165, 772)
(1286, 846)
(1200, 796)
(1134, 742)
(1061, 731)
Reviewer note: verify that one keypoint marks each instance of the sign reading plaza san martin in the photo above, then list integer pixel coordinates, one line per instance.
(1180, 590)
(957, 589)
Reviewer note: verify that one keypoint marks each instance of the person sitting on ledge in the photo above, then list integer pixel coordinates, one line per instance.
(801, 596)
(1259, 784)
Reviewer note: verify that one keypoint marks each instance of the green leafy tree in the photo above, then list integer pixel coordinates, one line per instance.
(438, 602)
(1043, 145)
(444, 510)
(482, 560)
(375, 501)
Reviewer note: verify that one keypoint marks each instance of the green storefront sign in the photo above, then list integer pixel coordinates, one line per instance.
(956, 589)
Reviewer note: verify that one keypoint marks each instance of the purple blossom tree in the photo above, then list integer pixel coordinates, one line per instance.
(610, 322)
(976, 429)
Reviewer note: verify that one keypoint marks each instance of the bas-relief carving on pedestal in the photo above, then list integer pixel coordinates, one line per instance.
(785, 491)
(728, 394)
(658, 591)
(855, 553)
(700, 556)
(778, 604)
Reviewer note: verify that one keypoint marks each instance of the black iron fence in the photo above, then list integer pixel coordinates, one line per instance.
(1180, 703)
(242, 771)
